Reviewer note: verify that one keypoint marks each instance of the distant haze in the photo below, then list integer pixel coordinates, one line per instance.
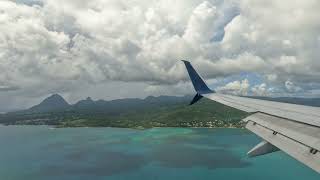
(56, 103)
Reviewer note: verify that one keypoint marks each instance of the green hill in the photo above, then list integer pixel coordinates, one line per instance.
(162, 111)
(206, 113)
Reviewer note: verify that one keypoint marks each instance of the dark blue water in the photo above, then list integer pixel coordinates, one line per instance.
(38, 152)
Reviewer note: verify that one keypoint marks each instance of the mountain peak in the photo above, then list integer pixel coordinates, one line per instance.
(150, 97)
(86, 103)
(54, 96)
(55, 102)
(88, 99)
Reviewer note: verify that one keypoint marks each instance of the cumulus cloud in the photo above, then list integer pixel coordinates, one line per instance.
(201, 23)
(283, 34)
(58, 46)
(260, 90)
(236, 88)
(291, 87)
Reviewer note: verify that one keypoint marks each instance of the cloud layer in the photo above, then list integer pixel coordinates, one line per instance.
(71, 47)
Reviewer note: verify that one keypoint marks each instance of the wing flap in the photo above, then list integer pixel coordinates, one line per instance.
(294, 148)
(303, 133)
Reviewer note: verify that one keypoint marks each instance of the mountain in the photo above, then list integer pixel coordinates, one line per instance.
(84, 104)
(162, 111)
(53, 103)
(119, 106)
(56, 103)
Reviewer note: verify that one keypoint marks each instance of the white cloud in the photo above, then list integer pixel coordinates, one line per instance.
(235, 87)
(263, 27)
(201, 23)
(260, 90)
(271, 77)
(61, 46)
(291, 87)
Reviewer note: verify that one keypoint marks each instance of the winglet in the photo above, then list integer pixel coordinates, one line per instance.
(199, 85)
(196, 98)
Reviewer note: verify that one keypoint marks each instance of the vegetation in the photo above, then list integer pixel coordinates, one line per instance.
(162, 111)
(205, 113)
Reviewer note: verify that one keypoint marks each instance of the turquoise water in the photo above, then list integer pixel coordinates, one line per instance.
(38, 152)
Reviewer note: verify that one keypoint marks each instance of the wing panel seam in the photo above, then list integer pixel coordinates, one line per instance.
(283, 135)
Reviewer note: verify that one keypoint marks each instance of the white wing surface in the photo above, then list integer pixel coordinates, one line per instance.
(294, 129)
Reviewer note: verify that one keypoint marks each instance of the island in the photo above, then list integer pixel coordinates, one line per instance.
(162, 111)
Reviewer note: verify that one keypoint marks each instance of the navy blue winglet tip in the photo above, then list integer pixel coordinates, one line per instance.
(198, 83)
(195, 99)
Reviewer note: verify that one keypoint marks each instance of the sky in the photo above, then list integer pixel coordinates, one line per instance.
(110, 49)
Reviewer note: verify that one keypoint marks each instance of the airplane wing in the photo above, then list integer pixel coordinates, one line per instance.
(294, 129)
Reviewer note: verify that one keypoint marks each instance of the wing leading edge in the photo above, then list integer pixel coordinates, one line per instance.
(294, 129)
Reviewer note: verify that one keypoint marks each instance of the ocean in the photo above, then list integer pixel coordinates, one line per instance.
(41, 153)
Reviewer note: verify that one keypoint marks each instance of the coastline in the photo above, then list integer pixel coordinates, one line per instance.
(136, 128)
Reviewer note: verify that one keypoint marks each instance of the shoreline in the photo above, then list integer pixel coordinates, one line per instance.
(136, 128)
